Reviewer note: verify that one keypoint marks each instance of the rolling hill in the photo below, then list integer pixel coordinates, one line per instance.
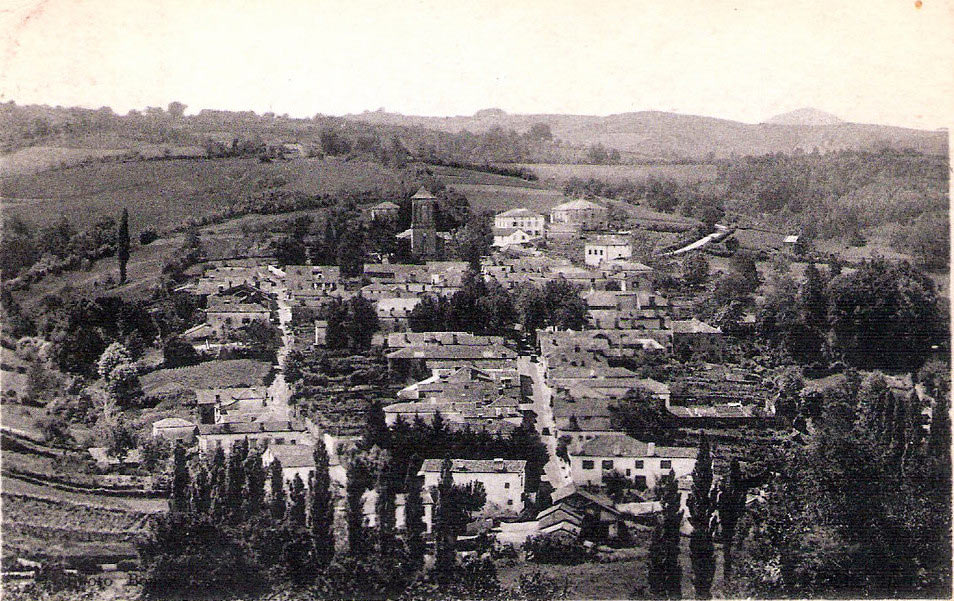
(660, 135)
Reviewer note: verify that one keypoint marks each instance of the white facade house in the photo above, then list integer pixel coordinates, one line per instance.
(296, 460)
(532, 223)
(262, 433)
(580, 215)
(174, 428)
(504, 237)
(503, 479)
(605, 249)
(645, 462)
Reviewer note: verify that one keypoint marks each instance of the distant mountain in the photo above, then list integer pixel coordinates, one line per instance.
(660, 135)
(806, 116)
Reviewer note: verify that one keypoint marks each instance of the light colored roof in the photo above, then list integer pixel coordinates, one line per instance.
(791, 239)
(227, 395)
(693, 326)
(249, 428)
(423, 193)
(399, 305)
(608, 241)
(621, 445)
(712, 411)
(387, 204)
(577, 205)
(293, 455)
(455, 351)
(477, 466)
(172, 422)
(519, 212)
(507, 231)
(572, 489)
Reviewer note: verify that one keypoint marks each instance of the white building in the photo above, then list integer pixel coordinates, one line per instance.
(580, 215)
(532, 223)
(645, 462)
(504, 237)
(503, 479)
(604, 249)
(296, 460)
(174, 428)
(262, 433)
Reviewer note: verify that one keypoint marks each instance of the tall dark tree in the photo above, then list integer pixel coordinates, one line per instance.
(939, 439)
(375, 428)
(385, 510)
(235, 480)
(445, 559)
(122, 245)
(414, 516)
(180, 480)
(321, 508)
(255, 476)
(665, 573)
(354, 493)
(731, 505)
(201, 493)
(276, 500)
(296, 503)
(702, 504)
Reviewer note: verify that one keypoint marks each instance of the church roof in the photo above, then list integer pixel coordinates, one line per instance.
(423, 193)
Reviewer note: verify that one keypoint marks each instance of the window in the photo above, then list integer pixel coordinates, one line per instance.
(587, 464)
(506, 485)
(628, 471)
(665, 464)
(509, 501)
(639, 464)
(607, 464)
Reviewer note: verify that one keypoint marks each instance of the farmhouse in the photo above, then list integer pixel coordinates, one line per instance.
(263, 433)
(604, 249)
(598, 509)
(694, 335)
(296, 460)
(503, 479)
(532, 223)
(393, 313)
(384, 211)
(174, 428)
(506, 237)
(414, 359)
(225, 316)
(239, 404)
(645, 462)
(580, 215)
(323, 278)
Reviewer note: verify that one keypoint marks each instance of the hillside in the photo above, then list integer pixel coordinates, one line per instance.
(805, 116)
(653, 134)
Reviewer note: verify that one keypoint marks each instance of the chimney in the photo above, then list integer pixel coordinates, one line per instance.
(651, 449)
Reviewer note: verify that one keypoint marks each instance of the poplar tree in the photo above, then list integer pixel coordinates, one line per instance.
(122, 245)
(235, 480)
(321, 507)
(375, 428)
(731, 505)
(217, 484)
(296, 503)
(665, 573)
(701, 504)
(414, 516)
(939, 439)
(354, 491)
(180, 480)
(276, 499)
(201, 494)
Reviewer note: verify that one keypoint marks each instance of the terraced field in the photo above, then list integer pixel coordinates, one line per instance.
(210, 374)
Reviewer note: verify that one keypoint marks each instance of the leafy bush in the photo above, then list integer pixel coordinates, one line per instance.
(559, 548)
(146, 236)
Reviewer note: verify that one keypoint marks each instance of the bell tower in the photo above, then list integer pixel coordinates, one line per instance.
(423, 229)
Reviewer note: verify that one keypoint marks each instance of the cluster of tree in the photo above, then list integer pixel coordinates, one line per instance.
(485, 307)
(407, 442)
(521, 172)
(882, 315)
(862, 506)
(662, 194)
(119, 374)
(28, 253)
(714, 514)
(351, 323)
(597, 154)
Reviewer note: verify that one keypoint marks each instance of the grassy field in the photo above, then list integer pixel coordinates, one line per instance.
(493, 197)
(558, 174)
(21, 417)
(210, 374)
(162, 194)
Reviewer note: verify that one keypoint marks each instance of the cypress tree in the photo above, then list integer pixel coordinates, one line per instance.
(665, 573)
(217, 481)
(939, 439)
(731, 505)
(122, 245)
(384, 508)
(296, 503)
(701, 516)
(444, 535)
(375, 428)
(201, 496)
(321, 508)
(180, 480)
(899, 434)
(235, 481)
(354, 490)
(254, 484)
(276, 500)
(414, 516)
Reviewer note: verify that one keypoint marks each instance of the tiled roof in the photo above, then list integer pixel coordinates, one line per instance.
(621, 445)
(206, 396)
(456, 351)
(608, 241)
(520, 212)
(572, 490)
(172, 422)
(693, 326)
(249, 428)
(577, 205)
(293, 455)
(386, 205)
(477, 466)
(423, 193)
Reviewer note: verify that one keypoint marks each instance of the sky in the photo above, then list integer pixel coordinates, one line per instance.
(870, 61)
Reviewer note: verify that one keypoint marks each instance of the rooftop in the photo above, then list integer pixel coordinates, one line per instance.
(453, 351)
(249, 428)
(693, 326)
(621, 445)
(478, 466)
(519, 212)
(293, 455)
(577, 205)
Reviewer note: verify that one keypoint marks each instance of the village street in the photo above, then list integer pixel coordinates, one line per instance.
(556, 471)
(279, 391)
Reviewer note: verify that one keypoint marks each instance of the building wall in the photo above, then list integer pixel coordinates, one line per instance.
(594, 254)
(503, 489)
(532, 225)
(652, 468)
(208, 442)
(223, 322)
(588, 219)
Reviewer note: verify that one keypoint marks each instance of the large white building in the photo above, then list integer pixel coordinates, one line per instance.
(532, 223)
(604, 249)
(503, 479)
(580, 215)
(644, 462)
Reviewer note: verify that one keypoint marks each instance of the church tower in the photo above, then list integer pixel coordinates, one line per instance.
(423, 229)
